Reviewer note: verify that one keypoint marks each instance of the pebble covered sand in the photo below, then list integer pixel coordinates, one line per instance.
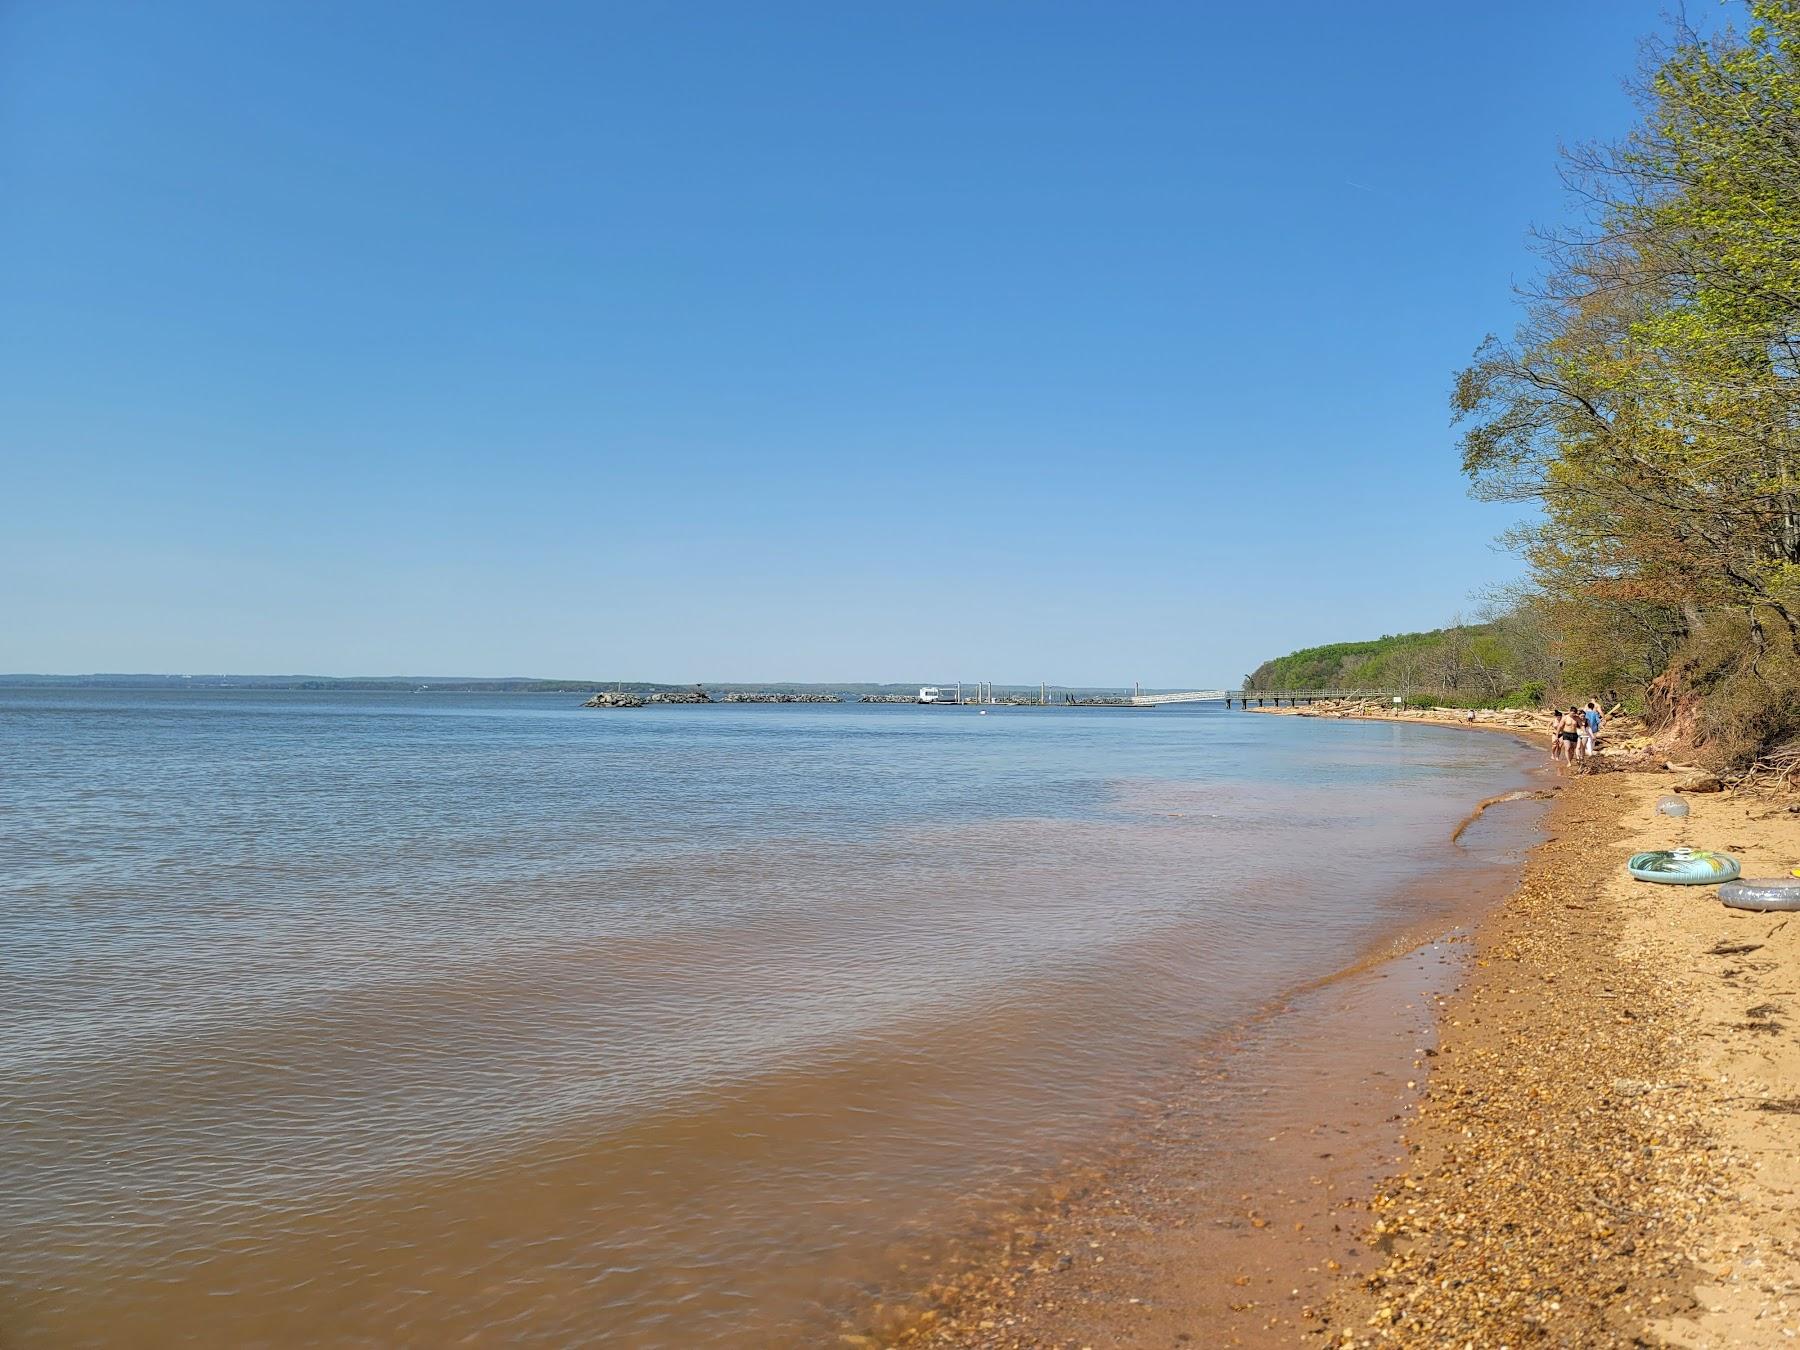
(1604, 1155)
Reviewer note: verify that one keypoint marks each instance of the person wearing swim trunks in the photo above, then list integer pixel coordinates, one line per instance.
(1556, 740)
(1568, 735)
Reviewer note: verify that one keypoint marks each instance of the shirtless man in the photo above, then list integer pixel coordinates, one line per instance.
(1568, 732)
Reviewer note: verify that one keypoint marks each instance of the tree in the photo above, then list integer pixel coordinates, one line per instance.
(1649, 403)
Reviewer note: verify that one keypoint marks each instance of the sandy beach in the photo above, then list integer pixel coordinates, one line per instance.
(1605, 1151)
(1598, 1142)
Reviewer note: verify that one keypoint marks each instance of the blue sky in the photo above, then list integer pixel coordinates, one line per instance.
(1076, 342)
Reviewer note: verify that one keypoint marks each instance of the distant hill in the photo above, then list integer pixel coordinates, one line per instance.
(1468, 663)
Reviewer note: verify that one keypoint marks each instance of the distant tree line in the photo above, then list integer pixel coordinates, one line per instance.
(1501, 662)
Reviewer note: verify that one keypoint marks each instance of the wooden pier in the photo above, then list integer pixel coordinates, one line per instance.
(1264, 697)
(1295, 697)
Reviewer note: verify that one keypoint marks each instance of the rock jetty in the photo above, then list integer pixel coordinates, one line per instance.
(889, 698)
(678, 696)
(619, 699)
(610, 699)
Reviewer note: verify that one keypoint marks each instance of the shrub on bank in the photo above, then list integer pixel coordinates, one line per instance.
(1528, 695)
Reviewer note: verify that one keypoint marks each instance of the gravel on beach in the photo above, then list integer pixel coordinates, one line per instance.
(1603, 1156)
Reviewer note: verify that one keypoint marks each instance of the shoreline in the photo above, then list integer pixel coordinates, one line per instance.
(1525, 726)
(1601, 1145)
(1226, 1210)
(1606, 1152)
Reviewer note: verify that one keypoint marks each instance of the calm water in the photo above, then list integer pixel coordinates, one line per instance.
(407, 1019)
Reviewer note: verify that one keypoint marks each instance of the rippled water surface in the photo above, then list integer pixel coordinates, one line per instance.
(406, 1019)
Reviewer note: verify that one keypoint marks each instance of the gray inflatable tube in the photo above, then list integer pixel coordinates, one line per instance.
(1775, 893)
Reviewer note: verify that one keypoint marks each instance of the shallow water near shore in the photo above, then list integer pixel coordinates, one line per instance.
(417, 1018)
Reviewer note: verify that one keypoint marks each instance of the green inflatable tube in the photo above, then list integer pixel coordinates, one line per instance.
(1683, 867)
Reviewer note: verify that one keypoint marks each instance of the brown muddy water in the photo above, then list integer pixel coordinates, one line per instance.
(425, 1020)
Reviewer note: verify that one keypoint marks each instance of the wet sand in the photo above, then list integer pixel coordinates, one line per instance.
(1235, 1209)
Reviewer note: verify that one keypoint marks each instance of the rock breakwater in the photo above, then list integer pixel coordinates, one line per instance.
(612, 699)
(615, 698)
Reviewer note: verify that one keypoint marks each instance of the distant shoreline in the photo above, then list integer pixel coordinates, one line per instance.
(1532, 726)
(458, 684)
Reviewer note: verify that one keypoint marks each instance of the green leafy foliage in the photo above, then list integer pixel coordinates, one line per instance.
(1649, 403)
(1465, 665)
(1391, 660)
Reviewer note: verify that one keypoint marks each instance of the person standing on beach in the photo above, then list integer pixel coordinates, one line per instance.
(1564, 736)
(1569, 734)
(1590, 729)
